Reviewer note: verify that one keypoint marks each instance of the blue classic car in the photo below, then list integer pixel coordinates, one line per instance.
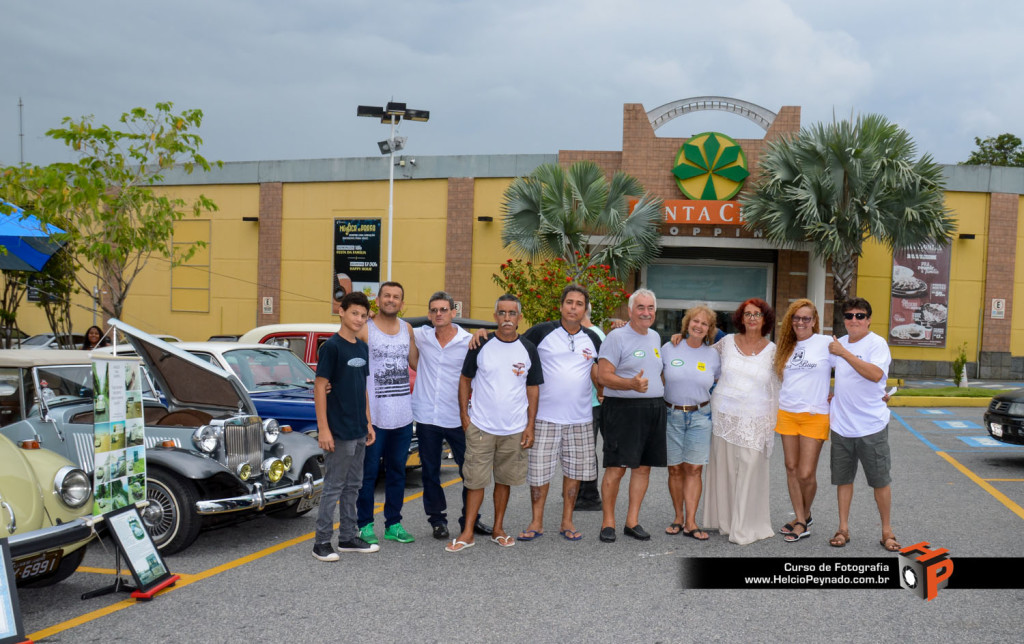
(210, 456)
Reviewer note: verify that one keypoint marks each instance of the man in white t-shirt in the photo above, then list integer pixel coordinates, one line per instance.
(859, 419)
(503, 376)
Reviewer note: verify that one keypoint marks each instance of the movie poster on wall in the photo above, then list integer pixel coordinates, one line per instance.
(119, 454)
(356, 258)
(920, 297)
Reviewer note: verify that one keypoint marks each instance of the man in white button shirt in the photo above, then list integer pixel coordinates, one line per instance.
(435, 406)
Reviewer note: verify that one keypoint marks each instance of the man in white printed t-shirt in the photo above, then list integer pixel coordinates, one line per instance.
(502, 375)
(564, 430)
(859, 419)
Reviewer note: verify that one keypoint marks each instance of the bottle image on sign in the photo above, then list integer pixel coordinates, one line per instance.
(710, 167)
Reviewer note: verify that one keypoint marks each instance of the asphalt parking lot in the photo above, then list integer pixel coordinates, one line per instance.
(953, 487)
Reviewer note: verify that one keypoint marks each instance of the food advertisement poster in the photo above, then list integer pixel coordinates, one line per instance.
(145, 562)
(119, 454)
(356, 258)
(920, 297)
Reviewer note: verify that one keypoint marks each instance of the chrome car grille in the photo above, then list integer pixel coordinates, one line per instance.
(243, 442)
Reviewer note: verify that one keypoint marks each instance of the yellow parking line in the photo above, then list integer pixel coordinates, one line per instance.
(1006, 480)
(1002, 498)
(187, 579)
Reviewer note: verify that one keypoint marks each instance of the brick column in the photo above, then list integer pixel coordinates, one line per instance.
(458, 269)
(268, 271)
(999, 268)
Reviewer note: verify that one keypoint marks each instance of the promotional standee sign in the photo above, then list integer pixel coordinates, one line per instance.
(920, 297)
(144, 561)
(119, 453)
(356, 257)
(11, 629)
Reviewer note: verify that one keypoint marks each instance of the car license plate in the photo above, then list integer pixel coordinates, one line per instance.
(39, 565)
(308, 503)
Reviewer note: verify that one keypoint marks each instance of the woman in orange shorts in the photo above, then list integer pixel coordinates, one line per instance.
(804, 365)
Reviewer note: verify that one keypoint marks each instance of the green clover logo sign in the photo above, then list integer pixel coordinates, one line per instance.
(711, 166)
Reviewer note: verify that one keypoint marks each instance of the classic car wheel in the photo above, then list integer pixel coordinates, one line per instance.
(292, 510)
(68, 565)
(171, 518)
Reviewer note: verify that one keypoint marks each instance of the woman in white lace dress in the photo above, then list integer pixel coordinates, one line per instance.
(744, 407)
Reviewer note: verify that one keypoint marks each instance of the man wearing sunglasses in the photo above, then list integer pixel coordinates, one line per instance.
(435, 407)
(859, 419)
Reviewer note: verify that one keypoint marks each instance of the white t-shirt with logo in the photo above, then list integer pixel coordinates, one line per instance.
(806, 378)
(629, 352)
(689, 373)
(567, 360)
(857, 406)
(501, 372)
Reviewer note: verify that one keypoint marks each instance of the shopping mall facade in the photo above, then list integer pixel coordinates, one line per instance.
(285, 229)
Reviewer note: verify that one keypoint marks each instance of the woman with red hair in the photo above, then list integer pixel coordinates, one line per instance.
(744, 407)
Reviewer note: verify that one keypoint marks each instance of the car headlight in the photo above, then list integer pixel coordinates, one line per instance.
(274, 469)
(287, 460)
(206, 438)
(271, 430)
(1015, 409)
(244, 471)
(73, 486)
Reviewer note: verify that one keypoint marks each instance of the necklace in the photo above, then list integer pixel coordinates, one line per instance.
(753, 350)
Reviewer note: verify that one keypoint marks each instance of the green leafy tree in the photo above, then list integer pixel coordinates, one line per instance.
(1005, 150)
(837, 185)
(15, 285)
(115, 221)
(539, 286)
(554, 212)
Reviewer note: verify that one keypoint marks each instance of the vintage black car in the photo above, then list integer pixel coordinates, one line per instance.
(210, 457)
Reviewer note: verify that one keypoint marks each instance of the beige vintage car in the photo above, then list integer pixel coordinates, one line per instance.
(45, 512)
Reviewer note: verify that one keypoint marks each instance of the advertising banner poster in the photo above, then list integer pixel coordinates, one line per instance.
(11, 629)
(920, 297)
(119, 449)
(356, 258)
(147, 566)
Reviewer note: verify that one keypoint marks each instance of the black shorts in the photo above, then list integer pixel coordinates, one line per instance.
(634, 432)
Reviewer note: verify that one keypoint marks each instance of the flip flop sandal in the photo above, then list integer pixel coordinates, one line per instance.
(505, 542)
(458, 546)
(530, 535)
(677, 529)
(843, 538)
(693, 534)
(895, 547)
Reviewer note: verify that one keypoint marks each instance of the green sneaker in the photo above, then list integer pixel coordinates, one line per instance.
(398, 533)
(367, 535)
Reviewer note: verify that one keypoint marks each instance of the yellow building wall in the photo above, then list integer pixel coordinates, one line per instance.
(1017, 315)
(966, 288)
(307, 241)
(231, 257)
(488, 253)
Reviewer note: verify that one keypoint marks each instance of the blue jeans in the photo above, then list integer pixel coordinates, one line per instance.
(342, 473)
(393, 446)
(431, 437)
(688, 436)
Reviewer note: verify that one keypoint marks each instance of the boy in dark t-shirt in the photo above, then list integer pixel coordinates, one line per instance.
(343, 423)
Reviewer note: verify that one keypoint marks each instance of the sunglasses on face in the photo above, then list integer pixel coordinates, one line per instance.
(859, 316)
(436, 311)
(800, 319)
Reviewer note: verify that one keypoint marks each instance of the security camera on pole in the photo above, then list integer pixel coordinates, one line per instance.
(392, 113)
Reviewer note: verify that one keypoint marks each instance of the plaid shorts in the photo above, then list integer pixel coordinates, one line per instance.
(570, 445)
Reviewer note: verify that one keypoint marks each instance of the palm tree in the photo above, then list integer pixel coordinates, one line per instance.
(555, 211)
(837, 185)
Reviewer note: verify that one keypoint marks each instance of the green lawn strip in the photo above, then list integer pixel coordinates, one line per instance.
(952, 392)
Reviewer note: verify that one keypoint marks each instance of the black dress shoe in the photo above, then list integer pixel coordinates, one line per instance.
(482, 529)
(441, 531)
(637, 532)
(607, 535)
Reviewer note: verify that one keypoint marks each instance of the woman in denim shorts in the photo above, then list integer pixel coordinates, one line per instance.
(689, 370)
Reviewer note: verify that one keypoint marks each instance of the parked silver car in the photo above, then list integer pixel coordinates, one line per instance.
(210, 457)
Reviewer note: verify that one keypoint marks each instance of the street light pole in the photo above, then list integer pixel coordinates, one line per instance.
(392, 113)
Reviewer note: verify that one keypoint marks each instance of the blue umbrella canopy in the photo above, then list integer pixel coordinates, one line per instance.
(26, 240)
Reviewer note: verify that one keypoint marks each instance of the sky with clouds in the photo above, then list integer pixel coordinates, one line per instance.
(282, 80)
